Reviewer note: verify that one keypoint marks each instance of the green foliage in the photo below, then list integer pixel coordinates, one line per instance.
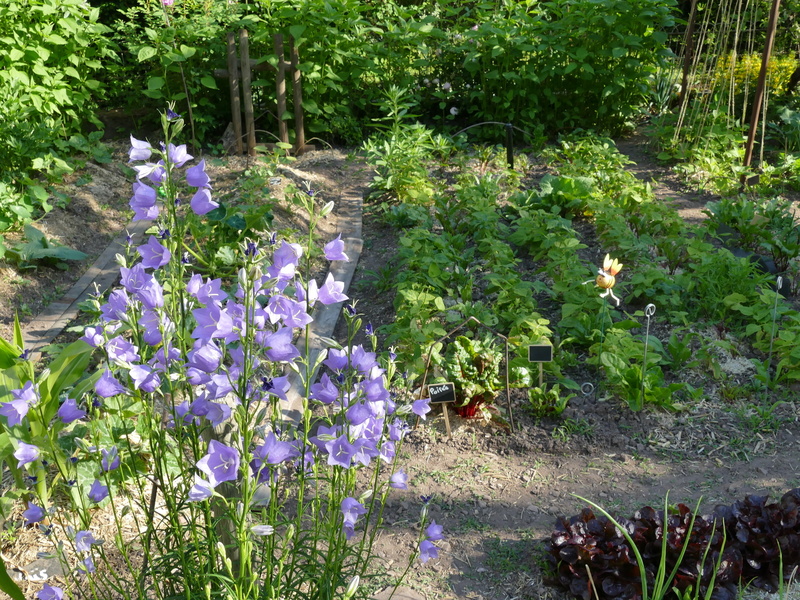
(7, 584)
(53, 50)
(548, 402)
(398, 153)
(170, 53)
(39, 250)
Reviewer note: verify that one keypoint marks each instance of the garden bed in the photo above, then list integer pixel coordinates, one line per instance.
(497, 492)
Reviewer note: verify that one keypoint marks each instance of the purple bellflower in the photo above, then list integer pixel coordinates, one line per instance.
(98, 492)
(26, 453)
(33, 514)
(50, 592)
(351, 510)
(197, 177)
(331, 291)
(140, 150)
(220, 464)
(154, 254)
(334, 250)
(108, 385)
(69, 411)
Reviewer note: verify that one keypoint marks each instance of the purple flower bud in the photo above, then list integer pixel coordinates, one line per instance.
(171, 114)
(110, 460)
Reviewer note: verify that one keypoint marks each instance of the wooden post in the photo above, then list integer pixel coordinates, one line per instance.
(233, 79)
(688, 52)
(297, 93)
(762, 80)
(247, 92)
(280, 89)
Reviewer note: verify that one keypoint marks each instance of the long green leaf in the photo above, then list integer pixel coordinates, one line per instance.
(7, 584)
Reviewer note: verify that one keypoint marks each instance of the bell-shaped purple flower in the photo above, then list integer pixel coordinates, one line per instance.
(212, 322)
(340, 452)
(33, 514)
(334, 250)
(220, 464)
(399, 480)
(69, 411)
(331, 291)
(14, 411)
(84, 540)
(93, 336)
(201, 490)
(197, 177)
(143, 202)
(98, 492)
(325, 390)
(279, 345)
(154, 254)
(178, 155)
(427, 551)
(140, 150)
(108, 385)
(351, 510)
(421, 407)
(121, 350)
(337, 359)
(434, 532)
(26, 453)
(50, 592)
(116, 307)
(201, 203)
(144, 378)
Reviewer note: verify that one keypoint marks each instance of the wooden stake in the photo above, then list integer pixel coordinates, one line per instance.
(233, 79)
(297, 92)
(280, 89)
(244, 47)
(762, 80)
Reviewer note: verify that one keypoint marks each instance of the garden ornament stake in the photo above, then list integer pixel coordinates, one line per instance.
(606, 277)
(649, 311)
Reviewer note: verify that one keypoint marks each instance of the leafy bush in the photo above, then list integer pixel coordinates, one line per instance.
(53, 50)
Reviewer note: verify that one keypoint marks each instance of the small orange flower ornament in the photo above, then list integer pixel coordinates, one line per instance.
(606, 277)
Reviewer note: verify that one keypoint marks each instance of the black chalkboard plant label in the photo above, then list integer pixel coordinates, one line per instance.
(540, 353)
(441, 393)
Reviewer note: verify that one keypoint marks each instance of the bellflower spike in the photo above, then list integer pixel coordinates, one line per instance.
(331, 291)
(154, 254)
(33, 514)
(334, 250)
(197, 177)
(140, 150)
(220, 464)
(69, 411)
(26, 453)
(50, 592)
(98, 492)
